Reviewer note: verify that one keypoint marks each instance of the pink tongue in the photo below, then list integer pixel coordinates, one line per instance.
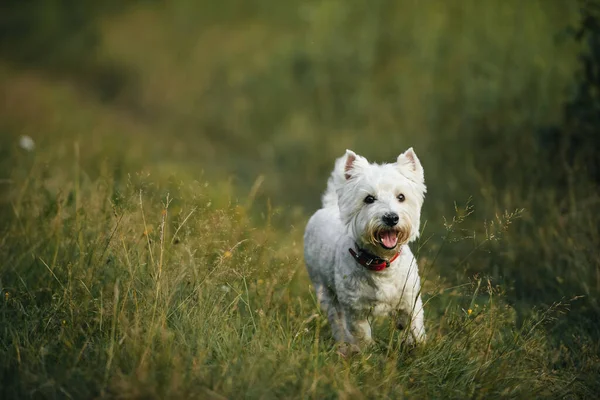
(389, 239)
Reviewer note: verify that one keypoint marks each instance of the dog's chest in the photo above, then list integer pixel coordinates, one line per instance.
(387, 297)
(380, 297)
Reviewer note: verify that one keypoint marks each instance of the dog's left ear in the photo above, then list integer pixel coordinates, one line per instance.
(409, 165)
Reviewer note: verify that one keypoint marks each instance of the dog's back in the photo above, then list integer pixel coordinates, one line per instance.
(324, 229)
(336, 179)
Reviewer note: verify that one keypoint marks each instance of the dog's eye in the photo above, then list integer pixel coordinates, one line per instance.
(369, 199)
(401, 198)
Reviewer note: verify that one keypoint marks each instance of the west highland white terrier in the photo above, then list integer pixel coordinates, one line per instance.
(356, 251)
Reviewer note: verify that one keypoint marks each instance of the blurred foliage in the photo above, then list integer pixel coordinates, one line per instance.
(553, 172)
(499, 99)
(62, 37)
(54, 33)
(582, 113)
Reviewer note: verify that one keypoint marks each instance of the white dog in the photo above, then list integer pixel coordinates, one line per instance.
(356, 249)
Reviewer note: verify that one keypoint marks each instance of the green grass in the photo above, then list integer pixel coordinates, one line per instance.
(151, 245)
(152, 290)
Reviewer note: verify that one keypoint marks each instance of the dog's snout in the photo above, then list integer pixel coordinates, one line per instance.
(390, 219)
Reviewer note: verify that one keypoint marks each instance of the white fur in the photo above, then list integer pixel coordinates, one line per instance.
(348, 292)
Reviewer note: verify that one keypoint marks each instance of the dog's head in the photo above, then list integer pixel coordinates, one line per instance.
(381, 204)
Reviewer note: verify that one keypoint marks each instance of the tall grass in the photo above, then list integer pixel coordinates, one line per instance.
(142, 292)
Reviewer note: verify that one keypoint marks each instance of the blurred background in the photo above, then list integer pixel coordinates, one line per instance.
(500, 100)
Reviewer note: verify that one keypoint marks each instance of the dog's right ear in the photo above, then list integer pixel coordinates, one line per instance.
(350, 163)
(350, 158)
(353, 163)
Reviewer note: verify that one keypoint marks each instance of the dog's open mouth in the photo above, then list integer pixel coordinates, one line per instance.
(388, 238)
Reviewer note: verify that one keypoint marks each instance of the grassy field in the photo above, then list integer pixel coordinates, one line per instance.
(151, 243)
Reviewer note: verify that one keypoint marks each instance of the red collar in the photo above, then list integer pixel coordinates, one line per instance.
(371, 262)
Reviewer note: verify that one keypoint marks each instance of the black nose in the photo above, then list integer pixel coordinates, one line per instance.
(390, 219)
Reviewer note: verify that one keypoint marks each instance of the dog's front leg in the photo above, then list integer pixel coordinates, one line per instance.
(358, 329)
(336, 321)
(411, 317)
(417, 325)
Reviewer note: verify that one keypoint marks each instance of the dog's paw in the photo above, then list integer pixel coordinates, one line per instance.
(347, 350)
(420, 338)
(408, 340)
